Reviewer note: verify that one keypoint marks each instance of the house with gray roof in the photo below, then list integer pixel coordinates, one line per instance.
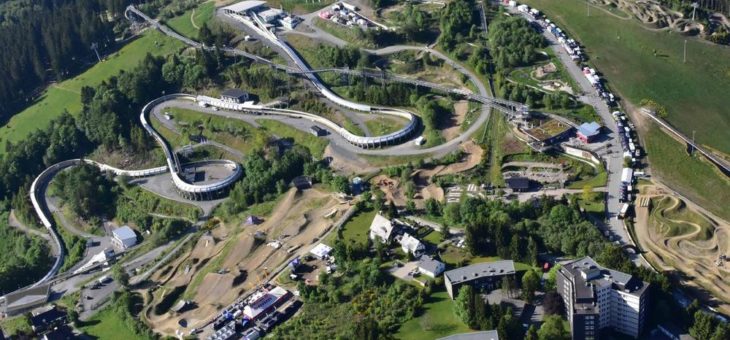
(430, 267)
(482, 276)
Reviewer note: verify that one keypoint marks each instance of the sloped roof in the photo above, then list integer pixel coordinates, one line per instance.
(381, 227)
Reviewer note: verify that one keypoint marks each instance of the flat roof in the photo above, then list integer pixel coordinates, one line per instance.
(518, 182)
(321, 250)
(235, 93)
(124, 233)
(480, 270)
(547, 130)
(244, 6)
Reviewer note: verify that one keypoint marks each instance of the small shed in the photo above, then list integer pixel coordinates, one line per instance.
(302, 182)
(317, 131)
(253, 220)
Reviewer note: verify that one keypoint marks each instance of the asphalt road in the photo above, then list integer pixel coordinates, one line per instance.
(613, 159)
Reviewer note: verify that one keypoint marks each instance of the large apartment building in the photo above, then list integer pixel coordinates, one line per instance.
(598, 298)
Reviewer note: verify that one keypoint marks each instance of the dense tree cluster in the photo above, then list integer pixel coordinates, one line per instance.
(362, 303)
(347, 56)
(472, 309)
(264, 178)
(513, 42)
(394, 94)
(414, 23)
(256, 76)
(49, 40)
(457, 21)
(25, 257)
(22, 161)
(89, 192)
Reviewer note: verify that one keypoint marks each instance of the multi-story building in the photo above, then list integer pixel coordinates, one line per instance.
(598, 298)
(482, 276)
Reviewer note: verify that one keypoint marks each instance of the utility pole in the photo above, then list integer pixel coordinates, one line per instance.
(693, 142)
(694, 9)
(684, 60)
(95, 47)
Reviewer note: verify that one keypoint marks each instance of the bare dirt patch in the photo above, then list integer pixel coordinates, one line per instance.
(296, 223)
(452, 128)
(676, 235)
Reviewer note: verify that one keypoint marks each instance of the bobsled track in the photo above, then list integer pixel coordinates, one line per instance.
(218, 188)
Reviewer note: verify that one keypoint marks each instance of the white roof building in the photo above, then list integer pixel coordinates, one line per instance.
(261, 302)
(124, 237)
(381, 228)
(321, 251)
(243, 6)
(411, 245)
(270, 14)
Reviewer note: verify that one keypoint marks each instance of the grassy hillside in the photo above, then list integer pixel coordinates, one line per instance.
(694, 177)
(642, 63)
(190, 22)
(66, 95)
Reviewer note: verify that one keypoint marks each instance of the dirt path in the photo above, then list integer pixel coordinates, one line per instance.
(240, 262)
(694, 257)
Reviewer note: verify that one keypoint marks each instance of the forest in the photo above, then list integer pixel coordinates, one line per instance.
(25, 257)
(48, 41)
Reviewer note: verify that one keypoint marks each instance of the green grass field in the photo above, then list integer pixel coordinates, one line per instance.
(383, 125)
(234, 133)
(190, 22)
(356, 229)
(694, 177)
(107, 325)
(315, 145)
(438, 320)
(14, 325)
(640, 63)
(353, 35)
(66, 95)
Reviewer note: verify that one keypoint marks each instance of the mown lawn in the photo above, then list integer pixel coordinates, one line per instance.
(640, 63)
(438, 320)
(107, 325)
(357, 229)
(694, 177)
(383, 125)
(65, 96)
(186, 23)
(315, 145)
(234, 133)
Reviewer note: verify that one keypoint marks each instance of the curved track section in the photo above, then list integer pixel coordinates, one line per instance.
(196, 190)
(361, 141)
